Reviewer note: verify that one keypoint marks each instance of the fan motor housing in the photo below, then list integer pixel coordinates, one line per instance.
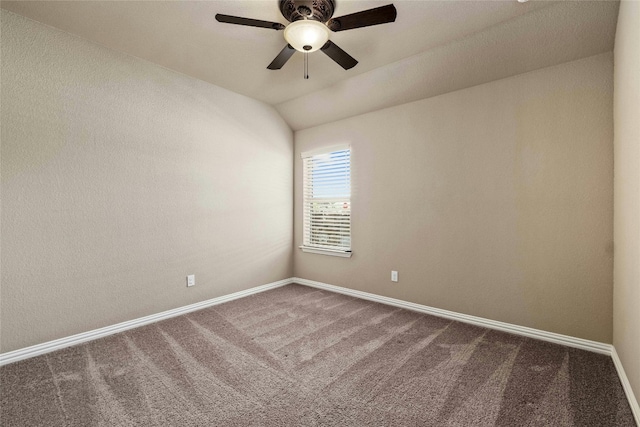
(318, 10)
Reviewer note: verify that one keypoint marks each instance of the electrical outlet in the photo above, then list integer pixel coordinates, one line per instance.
(394, 276)
(191, 280)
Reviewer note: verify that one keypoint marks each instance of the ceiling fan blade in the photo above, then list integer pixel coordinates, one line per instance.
(366, 18)
(282, 58)
(343, 59)
(228, 19)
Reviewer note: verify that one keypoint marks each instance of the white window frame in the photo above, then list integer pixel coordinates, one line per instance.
(342, 197)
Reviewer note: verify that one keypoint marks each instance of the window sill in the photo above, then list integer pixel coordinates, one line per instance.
(322, 251)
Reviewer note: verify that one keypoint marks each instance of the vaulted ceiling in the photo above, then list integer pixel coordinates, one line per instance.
(434, 47)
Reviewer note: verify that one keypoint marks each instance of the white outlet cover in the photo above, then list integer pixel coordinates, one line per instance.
(191, 280)
(394, 276)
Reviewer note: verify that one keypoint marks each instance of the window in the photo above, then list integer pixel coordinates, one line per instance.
(326, 195)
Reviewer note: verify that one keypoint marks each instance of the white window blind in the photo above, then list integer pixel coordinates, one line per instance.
(327, 200)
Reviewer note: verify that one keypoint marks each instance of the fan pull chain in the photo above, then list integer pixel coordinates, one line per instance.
(306, 66)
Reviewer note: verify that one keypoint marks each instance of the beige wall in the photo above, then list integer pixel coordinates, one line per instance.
(119, 178)
(494, 201)
(626, 292)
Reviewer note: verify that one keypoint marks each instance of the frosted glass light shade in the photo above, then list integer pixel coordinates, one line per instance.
(309, 33)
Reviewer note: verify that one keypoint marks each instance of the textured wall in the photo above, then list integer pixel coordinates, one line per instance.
(494, 201)
(626, 292)
(119, 178)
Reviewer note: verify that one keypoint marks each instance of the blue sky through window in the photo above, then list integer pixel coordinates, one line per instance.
(331, 175)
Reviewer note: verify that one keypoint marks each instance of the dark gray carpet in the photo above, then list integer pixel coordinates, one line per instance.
(297, 356)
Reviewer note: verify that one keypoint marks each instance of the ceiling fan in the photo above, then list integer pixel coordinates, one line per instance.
(311, 25)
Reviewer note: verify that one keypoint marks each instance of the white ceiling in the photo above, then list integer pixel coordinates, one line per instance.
(433, 47)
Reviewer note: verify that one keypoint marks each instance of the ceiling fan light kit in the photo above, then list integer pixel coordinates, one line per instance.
(306, 35)
(311, 26)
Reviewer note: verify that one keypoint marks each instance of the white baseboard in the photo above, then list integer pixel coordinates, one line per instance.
(47, 347)
(580, 343)
(633, 402)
